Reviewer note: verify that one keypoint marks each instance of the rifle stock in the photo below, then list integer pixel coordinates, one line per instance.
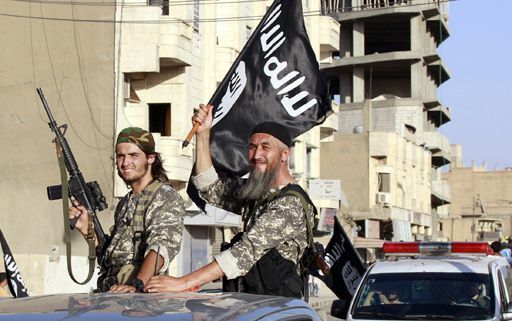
(88, 195)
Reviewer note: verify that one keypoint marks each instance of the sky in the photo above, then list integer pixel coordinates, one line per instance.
(478, 55)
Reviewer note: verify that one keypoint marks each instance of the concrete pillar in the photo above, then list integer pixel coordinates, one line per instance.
(358, 39)
(358, 84)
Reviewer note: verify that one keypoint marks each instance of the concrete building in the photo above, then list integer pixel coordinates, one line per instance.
(481, 207)
(105, 67)
(386, 77)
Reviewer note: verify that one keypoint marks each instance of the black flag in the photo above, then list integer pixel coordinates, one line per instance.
(346, 266)
(14, 280)
(275, 78)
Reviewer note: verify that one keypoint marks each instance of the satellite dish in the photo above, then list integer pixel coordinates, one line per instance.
(358, 129)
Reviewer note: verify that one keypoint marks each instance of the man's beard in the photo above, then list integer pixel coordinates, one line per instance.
(258, 184)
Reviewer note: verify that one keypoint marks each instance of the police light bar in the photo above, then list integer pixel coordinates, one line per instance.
(435, 248)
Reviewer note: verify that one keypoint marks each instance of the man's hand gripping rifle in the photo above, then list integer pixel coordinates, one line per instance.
(88, 195)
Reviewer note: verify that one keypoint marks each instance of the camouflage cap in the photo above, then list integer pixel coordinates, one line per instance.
(138, 136)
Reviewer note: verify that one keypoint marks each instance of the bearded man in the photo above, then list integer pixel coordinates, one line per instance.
(277, 217)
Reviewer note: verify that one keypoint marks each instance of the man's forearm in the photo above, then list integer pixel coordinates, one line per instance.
(203, 157)
(207, 273)
(147, 270)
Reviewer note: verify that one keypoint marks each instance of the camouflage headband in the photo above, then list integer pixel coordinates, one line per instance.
(138, 136)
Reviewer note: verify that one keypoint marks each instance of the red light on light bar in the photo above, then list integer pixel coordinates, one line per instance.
(470, 247)
(435, 248)
(401, 247)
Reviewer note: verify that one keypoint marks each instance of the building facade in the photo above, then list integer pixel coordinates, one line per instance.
(105, 67)
(481, 208)
(386, 78)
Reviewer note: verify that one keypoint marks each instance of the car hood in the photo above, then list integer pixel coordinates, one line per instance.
(158, 306)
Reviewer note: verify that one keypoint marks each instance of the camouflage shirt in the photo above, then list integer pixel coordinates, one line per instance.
(163, 222)
(280, 224)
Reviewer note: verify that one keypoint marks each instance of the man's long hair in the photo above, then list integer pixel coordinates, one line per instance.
(157, 169)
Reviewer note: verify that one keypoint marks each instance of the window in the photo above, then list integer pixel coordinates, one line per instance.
(165, 7)
(126, 87)
(164, 4)
(291, 159)
(196, 15)
(406, 295)
(160, 119)
(384, 184)
(248, 32)
(194, 248)
(309, 161)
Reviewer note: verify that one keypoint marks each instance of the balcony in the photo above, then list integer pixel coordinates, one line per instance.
(438, 71)
(391, 59)
(175, 43)
(442, 211)
(438, 27)
(439, 146)
(177, 161)
(330, 125)
(356, 9)
(441, 193)
(330, 35)
(437, 113)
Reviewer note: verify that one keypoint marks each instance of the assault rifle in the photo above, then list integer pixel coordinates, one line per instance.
(87, 194)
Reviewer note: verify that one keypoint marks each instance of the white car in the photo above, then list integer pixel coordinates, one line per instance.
(434, 281)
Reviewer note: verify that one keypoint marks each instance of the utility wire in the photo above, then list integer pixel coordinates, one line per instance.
(139, 3)
(144, 3)
(169, 20)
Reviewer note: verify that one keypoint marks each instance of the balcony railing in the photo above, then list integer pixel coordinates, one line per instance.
(330, 35)
(176, 43)
(331, 124)
(439, 146)
(441, 193)
(334, 6)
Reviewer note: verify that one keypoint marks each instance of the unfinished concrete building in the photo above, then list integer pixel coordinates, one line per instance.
(386, 78)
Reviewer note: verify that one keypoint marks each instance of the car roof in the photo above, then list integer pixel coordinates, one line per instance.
(160, 306)
(444, 264)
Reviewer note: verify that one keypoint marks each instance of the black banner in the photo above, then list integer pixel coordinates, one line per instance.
(275, 78)
(14, 280)
(347, 269)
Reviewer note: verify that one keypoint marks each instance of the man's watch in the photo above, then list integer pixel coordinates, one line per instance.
(138, 284)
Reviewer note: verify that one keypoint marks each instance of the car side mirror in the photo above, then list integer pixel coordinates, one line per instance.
(339, 308)
(507, 315)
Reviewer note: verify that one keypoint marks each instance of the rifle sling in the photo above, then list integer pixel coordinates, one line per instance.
(67, 234)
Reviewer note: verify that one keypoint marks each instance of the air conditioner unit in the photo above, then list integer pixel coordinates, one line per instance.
(383, 198)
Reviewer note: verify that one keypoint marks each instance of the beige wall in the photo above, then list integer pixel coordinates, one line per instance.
(73, 62)
(494, 188)
(346, 159)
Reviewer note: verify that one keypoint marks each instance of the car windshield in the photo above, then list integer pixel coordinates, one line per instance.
(425, 296)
